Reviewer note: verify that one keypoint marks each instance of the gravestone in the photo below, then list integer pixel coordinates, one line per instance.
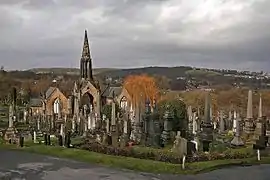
(260, 134)
(60, 140)
(45, 139)
(191, 148)
(21, 141)
(180, 145)
(167, 127)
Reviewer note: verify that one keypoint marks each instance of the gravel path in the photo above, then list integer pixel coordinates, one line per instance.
(16, 165)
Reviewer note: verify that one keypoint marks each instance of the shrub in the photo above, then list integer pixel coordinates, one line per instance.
(165, 155)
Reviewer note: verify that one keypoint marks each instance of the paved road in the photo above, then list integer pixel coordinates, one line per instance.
(15, 165)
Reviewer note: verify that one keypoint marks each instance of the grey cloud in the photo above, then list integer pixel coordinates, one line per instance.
(127, 35)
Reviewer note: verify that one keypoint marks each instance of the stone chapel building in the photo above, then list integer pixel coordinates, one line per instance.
(87, 94)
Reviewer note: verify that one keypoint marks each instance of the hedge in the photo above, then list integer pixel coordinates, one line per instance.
(166, 156)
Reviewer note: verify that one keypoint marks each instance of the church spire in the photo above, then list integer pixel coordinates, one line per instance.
(86, 61)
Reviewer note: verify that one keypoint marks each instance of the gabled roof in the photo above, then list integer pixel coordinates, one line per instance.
(35, 102)
(49, 92)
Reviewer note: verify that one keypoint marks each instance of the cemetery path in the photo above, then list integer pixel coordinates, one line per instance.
(27, 166)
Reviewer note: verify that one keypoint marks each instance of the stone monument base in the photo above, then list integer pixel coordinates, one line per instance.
(11, 135)
(237, 142)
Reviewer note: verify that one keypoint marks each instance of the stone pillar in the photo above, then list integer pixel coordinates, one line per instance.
(234, 122)
(107, 125)
(35, 137)
(190, 119)
(113, 126)
(249, 121)
(167, 127)
(62, 129)
(89, 123)
(195, 124)
(73, 125)
(38, 124)
(11, 115)
(206, 135)
(221, 123)
(237, 141)
(260, 114)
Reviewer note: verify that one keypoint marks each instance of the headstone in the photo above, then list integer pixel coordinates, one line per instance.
(35, 137)
(68, 139)
(60, 140)
(21, 141)
(45, 139)
(260, 134)
(180, 145)
(49, 139)
(191, 148)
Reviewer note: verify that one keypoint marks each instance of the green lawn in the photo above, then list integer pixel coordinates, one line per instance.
(133, 163)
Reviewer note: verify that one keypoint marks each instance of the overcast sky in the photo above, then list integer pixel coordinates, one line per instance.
(134, 33)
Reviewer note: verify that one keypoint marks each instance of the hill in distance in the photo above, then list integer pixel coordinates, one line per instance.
(74, 71)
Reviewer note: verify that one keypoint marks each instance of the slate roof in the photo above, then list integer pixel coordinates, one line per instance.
(49, 92)
(35, 102)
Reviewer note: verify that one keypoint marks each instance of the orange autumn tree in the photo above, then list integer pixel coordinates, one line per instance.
(141, 87)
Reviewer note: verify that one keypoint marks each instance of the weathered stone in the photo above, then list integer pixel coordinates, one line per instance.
(237, 141)
(180, 145)
(206, 136)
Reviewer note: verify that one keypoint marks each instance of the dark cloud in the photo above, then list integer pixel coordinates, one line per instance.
(128, 33)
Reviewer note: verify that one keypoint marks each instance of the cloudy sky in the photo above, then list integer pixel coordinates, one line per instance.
(134, 33)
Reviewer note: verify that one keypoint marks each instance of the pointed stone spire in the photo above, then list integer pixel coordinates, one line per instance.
(260, 107)
(86, 61)
(249, 105)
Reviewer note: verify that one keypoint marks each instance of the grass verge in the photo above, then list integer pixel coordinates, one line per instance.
(133, 163)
